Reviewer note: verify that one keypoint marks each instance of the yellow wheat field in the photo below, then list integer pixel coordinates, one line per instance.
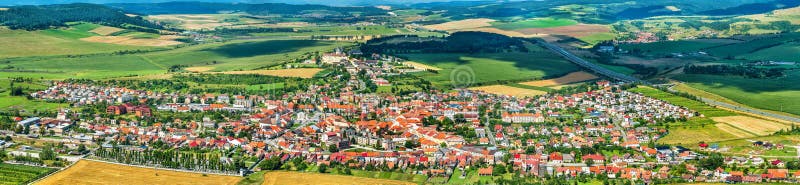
(564, 80)
(199, 69)
(509, 90)
(733, 130)
(106, 30)
(125, 40)
(92, 172)
(3, 9)
(418, 65)
(462, 24)
(757, 126)
(299, 72)
(279, 178)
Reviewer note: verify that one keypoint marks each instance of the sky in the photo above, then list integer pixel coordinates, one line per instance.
(325, 2)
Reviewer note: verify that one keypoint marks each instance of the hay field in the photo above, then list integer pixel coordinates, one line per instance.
(417, 65)
(124, 40)
(462, 24)
(733, 130)
(509, 90)
(564, 80)
(106, 30)
(192, 22)
(199, 69)
(92, 172)
(297, 178)
(299, 72)
(756, 126)
(578, 30)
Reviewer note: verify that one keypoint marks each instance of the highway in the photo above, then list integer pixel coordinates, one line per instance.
(625, 78)
(588, 65)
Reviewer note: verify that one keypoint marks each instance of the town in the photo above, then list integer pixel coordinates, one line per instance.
(603, 132)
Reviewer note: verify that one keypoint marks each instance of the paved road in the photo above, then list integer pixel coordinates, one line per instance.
(625, 78)
(588, 65)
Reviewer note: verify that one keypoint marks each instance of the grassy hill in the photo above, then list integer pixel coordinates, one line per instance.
(781, 94)
(64, 41)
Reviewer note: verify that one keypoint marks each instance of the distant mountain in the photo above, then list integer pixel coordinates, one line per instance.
(320, 2)
(255, 9)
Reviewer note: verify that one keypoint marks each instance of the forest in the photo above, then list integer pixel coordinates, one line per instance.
(459, 42)
(48, 16)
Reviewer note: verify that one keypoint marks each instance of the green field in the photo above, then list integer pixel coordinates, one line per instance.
(54, 42)
(667, 47)
(236, 55)
(783, 52)
(492, 67)
(533, 23)
(21, 174)
(781, 94)
(700, 107)
(242, 54)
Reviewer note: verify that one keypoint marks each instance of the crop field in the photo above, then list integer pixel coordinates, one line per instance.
(462, 24)
(667, 47)
(418, 65)
(12, 174)
(130, 40)
(277, 178)
(577, 30)
(573, 77)
(758, 47)
(94, 67)
(756, 126)
(91, 172)
(52, 42)
(534, 23)
(298, 72)
(509, 90)
(778, 53)
(105, 30)
(782, 94)
(691, 135)
(194, 22)
(738, 132)
(241, 55)
(492, 67)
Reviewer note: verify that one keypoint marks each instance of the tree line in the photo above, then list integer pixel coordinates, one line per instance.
(459, 42)
(171, 159)
(48, 16)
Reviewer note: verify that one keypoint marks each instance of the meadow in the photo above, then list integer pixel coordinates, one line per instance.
(92, 172)
(12, 174)
(55, 42)
(491, 68)
(782, 94)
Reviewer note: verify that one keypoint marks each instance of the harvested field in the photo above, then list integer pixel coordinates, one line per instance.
(756, 126)
(733, 130)
(462, 24)
(192, 22)
(299, 72)
(3, 9)
(564, 80)
(504, 32)
(92, 172)
(276, 178)
(417, 65)
(199, 69)
(124, 40)
(579, 30)
(509, 90)
(106, 30)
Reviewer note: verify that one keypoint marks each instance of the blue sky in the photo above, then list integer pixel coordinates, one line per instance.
(325, 2)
